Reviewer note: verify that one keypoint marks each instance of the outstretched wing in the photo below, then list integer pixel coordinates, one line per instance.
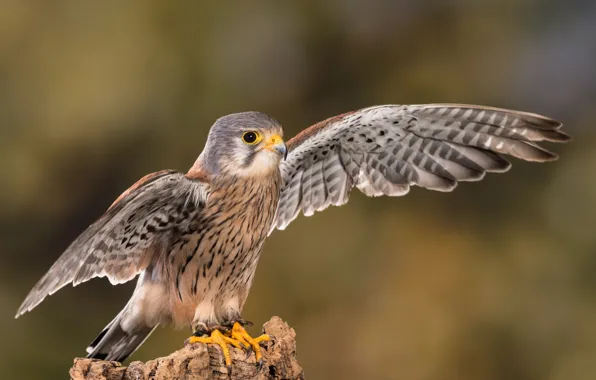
(384, 150)
(123, 242)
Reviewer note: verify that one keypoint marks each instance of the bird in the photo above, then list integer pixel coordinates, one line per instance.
(194, 239)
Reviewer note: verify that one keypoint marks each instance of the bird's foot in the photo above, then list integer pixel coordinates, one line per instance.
(237, 337)
(239, 334)
(221, 340)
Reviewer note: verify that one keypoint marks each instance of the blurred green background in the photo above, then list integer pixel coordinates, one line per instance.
(496, 280)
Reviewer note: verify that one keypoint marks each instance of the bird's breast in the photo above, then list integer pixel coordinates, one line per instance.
(217, 260)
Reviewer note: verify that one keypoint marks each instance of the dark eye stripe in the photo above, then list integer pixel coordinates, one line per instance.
(249, 159)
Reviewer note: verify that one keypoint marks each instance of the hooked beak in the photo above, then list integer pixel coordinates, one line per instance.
(276, 144)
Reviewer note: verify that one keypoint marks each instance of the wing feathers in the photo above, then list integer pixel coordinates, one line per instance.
(384, 150)
(488, 137)
(120, 244)
(489, 161)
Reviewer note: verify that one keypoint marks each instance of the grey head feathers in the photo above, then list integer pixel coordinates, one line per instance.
(225, 152)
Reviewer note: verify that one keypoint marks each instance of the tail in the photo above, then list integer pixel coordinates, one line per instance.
(119, 339)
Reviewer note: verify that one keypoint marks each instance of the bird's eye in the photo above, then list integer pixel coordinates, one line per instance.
(251, 137)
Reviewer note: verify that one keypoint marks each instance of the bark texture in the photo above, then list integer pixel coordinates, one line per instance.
(200, 361)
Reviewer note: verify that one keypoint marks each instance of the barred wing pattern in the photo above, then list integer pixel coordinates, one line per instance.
(123, 241)
(384, 150)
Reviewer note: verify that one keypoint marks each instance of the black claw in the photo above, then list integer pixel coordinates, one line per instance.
(229, 368)
(248, 352)
(260, 364)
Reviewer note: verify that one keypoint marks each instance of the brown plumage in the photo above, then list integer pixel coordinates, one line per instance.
(195, 239)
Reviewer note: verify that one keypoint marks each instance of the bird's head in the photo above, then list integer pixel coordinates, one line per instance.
(244, 144)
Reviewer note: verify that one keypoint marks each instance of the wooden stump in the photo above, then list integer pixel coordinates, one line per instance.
(200, 361)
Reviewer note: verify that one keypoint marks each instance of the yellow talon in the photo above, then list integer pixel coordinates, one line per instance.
(238, 338)
(221, 340)
(239, 334)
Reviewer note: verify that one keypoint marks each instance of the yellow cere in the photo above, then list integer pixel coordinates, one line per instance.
(274, 139)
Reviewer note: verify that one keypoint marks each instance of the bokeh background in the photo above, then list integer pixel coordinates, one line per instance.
(496, 280)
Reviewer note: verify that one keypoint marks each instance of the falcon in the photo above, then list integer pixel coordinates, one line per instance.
(194, 239)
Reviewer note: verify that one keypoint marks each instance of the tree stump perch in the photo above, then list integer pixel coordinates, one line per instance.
(200, 361)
